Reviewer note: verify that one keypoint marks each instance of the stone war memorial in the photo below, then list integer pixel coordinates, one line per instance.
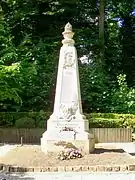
(67, 122)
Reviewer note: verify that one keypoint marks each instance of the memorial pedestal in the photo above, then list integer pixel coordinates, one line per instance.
(67, 111)
(82, 140)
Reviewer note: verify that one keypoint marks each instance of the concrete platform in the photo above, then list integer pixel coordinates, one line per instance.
(69, 176)
(127, 147)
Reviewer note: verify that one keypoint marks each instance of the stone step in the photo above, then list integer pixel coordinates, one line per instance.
(129, 148)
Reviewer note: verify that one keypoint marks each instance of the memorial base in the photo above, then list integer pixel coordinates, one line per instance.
(82, 140)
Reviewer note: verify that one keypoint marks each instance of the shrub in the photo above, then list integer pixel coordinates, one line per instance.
(25, 122)
(8, 119)
(105, 123)
(110, 115)
(42, 124)
(111, 120)
(39, 120)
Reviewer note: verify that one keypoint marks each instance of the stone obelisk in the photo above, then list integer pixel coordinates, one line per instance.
(67, 123)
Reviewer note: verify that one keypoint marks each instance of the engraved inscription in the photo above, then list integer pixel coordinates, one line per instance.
(60, 126)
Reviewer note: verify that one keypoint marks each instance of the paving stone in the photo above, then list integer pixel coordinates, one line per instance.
(77, 168)
(30, 169)
(55, 169)
(100, 168)
(115, 168)
(61, 169)
(37, 169)
(13, 169)
(69, 176)
(131, 167)
(70, 168)
(6, 168)
(1, 167)
(108, 168)
(85, 168)
(123, 168)
(45, 169)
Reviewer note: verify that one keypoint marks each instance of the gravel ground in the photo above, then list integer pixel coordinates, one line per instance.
(31, 156)
(4, 149)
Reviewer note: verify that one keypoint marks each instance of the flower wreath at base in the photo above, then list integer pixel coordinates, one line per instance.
(69, 153)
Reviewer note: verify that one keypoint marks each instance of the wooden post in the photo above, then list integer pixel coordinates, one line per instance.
(21, 141)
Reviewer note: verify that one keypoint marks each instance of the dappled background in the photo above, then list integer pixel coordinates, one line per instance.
(30, 36)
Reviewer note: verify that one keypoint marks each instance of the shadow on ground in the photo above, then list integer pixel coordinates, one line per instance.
(102, 150)
(16, 176)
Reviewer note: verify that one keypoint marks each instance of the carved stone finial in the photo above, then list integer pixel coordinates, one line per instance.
(68, 35)
(68, 27)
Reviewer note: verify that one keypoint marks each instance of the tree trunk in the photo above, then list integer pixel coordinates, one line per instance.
(101, 32)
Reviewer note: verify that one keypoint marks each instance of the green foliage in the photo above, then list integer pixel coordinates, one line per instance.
(8, 88)
(111, 120)
(30, 35)
(110, 116)
(117, 98)
(128, 44)
(25, 122)
(105, 123)
(37, 79)
(93, 85)
(8, 71)
(10, 118)
(123, 99)
(42, 124)
(39, 120)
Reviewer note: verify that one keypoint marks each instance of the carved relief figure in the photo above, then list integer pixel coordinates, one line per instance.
(68, 111)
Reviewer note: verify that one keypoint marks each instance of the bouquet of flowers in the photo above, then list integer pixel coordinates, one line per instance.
(69, 153)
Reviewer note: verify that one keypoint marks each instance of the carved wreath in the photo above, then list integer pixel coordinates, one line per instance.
(68, 60)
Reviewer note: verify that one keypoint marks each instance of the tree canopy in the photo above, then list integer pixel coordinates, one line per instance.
(30, 39)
